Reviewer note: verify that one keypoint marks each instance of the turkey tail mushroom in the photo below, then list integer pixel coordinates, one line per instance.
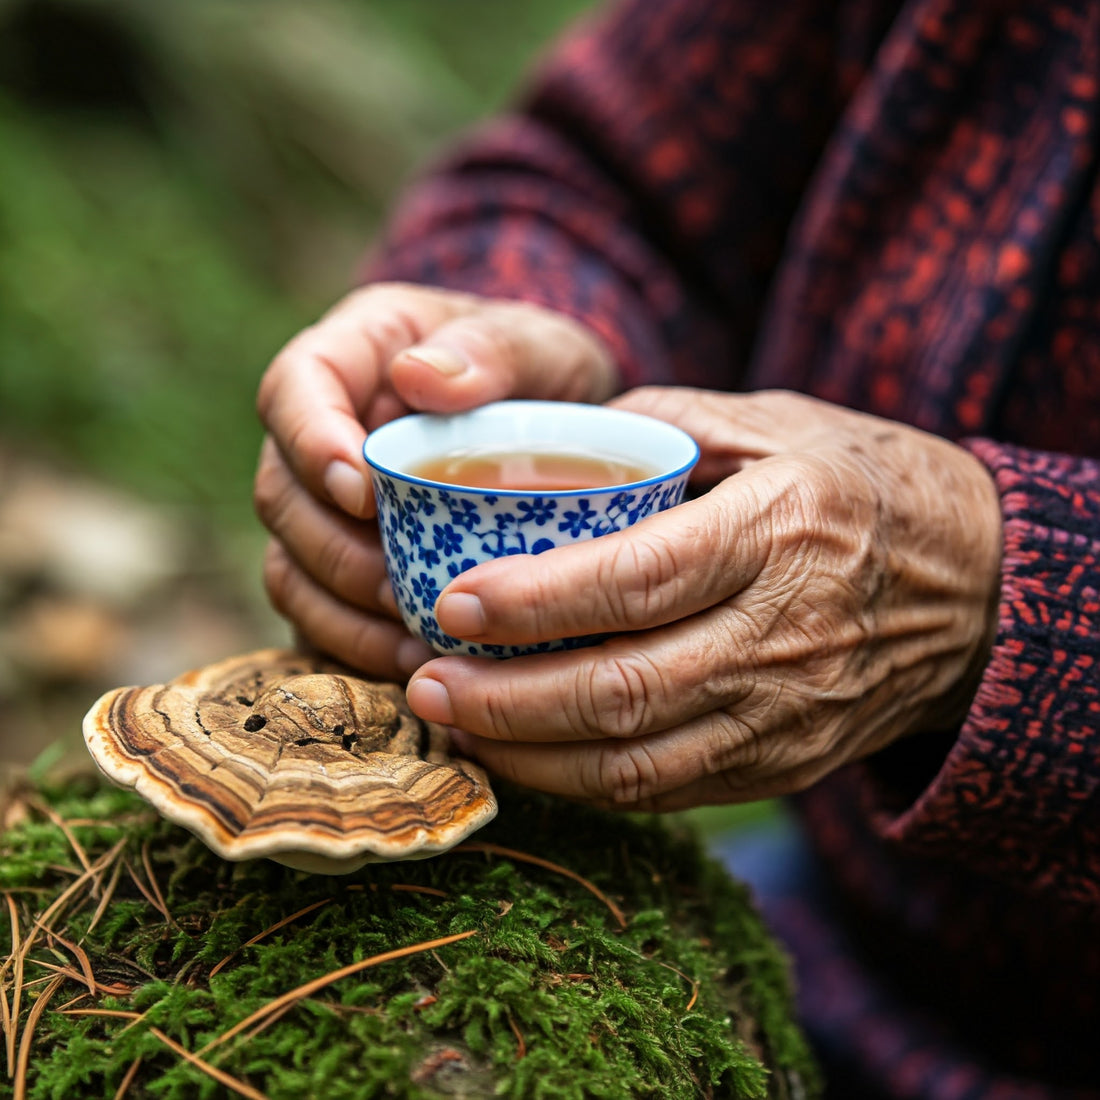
(286, 756)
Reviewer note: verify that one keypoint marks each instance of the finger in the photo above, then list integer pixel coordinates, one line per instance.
(666, 567)
(318, 391)
(624, 688)
(500, 350)
(364, 641)
(627, 773)
(341, 554)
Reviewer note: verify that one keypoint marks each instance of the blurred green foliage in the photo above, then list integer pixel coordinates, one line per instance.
(185, 184)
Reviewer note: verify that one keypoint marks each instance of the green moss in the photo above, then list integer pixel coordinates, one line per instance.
(550, 997)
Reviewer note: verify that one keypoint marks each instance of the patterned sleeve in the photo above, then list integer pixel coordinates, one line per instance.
(646, 183)
(1017, 797)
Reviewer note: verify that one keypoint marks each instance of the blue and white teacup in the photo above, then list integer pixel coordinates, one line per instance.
(432, 530)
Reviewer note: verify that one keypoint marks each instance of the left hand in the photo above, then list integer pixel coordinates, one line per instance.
(836, 590)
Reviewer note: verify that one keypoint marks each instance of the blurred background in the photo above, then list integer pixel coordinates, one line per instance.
(183, 185)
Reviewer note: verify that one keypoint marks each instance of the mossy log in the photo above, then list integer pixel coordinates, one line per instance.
(585, 955)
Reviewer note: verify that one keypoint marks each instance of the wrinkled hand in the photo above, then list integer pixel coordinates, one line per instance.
(834, 591)
(381, 352)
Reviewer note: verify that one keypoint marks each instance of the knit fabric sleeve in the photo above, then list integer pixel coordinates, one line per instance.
(646, 182)
(1017, 797)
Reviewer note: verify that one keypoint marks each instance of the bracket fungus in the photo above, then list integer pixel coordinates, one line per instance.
(290, 757)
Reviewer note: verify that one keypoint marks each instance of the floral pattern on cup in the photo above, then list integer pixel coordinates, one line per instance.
(431, 535)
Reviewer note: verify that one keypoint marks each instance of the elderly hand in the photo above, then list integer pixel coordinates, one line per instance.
(381, 352)
(834, 591)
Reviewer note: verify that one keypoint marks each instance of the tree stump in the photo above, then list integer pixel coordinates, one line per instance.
(560, 952)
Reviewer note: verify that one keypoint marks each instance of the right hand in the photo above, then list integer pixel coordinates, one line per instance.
(383, 351)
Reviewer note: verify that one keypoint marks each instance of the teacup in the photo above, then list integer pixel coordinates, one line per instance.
(434, 529)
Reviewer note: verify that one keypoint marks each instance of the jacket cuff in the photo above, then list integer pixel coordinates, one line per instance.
(1015, 794)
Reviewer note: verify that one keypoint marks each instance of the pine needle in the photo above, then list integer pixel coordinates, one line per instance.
(128, 1080)
(20, 1088)
(112, 1013)
(146, 893)
(538, 861)
(267, 932)
(211, 1071)
(34, 983)
(11, 1016)
(6, 1020)
(273, 1018)
(70, 891)
(13, 913)
(108, 894)
(49, 812)
(162, 905)
(81, 957)
(319, 983)
(408, 888)
(74, 975)
(16, 997)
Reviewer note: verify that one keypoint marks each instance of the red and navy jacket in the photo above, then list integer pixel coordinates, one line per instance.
(895, 207)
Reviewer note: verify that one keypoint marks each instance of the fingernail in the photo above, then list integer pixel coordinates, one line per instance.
(445, 360)
(411, 654)
(430, 700)
(346, 486)
(460, 614)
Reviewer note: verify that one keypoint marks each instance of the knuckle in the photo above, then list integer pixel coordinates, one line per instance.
(634, 579)
(393, 330)
(737, 746)
(500, 713)
(537, 602)
(387, 322)
(626, 774)
(615, 696)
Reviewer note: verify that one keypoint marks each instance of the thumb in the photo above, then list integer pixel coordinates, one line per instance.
(501, 350)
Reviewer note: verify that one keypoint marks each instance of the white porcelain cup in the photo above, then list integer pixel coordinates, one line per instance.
(432, 530)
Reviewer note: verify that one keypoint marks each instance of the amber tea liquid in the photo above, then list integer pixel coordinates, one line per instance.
(531, 470)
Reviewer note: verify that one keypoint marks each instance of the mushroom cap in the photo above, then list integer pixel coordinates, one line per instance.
(292, 757)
